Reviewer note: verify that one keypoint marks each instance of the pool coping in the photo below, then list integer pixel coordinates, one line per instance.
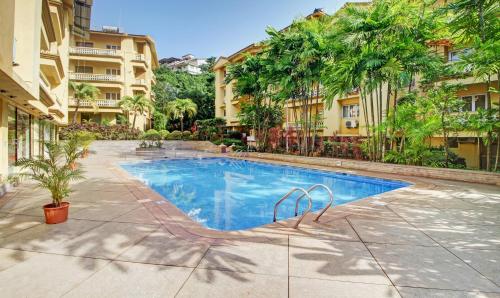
(181, 225)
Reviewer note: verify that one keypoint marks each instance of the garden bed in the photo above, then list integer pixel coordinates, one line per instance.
(417, 171)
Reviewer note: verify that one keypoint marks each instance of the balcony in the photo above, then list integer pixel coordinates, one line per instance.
(319, 125)
(139, 57)
(102, 103)
(141, 82)
(94, 51)
(94, 77)
(51, 66)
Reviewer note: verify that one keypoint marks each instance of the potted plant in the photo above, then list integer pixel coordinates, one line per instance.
(84, 139)
(54, 173)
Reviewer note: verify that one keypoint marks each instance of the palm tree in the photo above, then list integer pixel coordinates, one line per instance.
(179, 108)
(84, 91)
(138, 104)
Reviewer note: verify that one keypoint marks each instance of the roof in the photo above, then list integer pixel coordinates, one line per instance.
(147, 38)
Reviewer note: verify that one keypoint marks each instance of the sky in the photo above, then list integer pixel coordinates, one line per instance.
(203, 28)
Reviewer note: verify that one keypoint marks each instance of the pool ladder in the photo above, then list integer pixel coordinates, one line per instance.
(305, 193)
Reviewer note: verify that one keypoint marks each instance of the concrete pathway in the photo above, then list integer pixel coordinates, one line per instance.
(440, 239)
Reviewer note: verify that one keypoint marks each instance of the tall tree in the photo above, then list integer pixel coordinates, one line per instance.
(84, 92)
(180, 108)
(177, 84)
(137, 104)
(377, 47)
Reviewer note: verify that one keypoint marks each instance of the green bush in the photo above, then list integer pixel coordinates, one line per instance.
(102, 132)
(186, 135)
(151, 139)
(175, 135)
(159, 121)
(234, 134)
(228, 142)
(164, 134)
(195, 135)
(151, 135)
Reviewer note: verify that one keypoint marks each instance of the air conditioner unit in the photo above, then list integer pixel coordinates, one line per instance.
(351, 123)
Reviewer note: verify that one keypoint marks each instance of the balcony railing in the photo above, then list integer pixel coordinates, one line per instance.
(94, 51)
(139, 57)
(319, 125)
(104, 103)
(140, 82)
(93, 77)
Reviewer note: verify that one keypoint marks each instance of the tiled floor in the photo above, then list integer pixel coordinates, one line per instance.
(436, 239)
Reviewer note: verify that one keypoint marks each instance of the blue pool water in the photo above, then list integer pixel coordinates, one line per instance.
(227, 194)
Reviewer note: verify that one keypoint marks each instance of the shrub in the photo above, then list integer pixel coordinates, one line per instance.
(175, 135)
(164, 134)
(102, 132)
(234, 134)
(228, 142)
(186, 135)
(195, 135)
(159, 121)
(151, 139)
(84, 138)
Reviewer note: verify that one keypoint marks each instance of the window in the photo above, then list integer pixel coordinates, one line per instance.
(454, 55)
(112, 95)
(85, 44)
(350, 111)
(474, 102)
(82, 11)
(113, 71)
(112, 47)
(84, 69)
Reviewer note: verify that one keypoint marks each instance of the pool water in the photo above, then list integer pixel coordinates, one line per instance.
(227, 194)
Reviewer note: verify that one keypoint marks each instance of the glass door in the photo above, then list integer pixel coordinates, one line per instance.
(23, 135)
(12, 138)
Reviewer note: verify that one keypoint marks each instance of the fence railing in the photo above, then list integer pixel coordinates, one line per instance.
(93, 77)
(105, 103)
(94, 51)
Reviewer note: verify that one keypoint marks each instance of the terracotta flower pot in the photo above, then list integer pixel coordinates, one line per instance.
(55, 215)
(73, 166)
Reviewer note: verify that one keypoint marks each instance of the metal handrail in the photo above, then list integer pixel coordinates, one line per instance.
(240, 153)
(305, 193)
(330, 194)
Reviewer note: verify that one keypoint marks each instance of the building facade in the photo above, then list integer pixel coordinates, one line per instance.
(345, 117)
(187, 63)
(34, 73)
(118, 64)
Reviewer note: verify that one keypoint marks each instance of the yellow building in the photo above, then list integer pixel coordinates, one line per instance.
(346, 115)
(119, 64)
(34, 73)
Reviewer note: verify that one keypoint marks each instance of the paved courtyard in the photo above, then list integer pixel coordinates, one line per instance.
(433, 239)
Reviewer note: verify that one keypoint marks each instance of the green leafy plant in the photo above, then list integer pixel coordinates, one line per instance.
(55, 171)
(84, 92)
(186, 135)
(179, 109)
(152, 138)
(164, 134)
(175, 135)
(137, 104)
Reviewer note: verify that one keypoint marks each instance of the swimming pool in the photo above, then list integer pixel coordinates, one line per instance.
(227, 194)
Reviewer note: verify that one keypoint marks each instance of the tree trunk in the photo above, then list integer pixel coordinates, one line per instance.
(76, 110)
(497, 153)
(133, 123)
(367, 124)
(182, 123)
(488, 151)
